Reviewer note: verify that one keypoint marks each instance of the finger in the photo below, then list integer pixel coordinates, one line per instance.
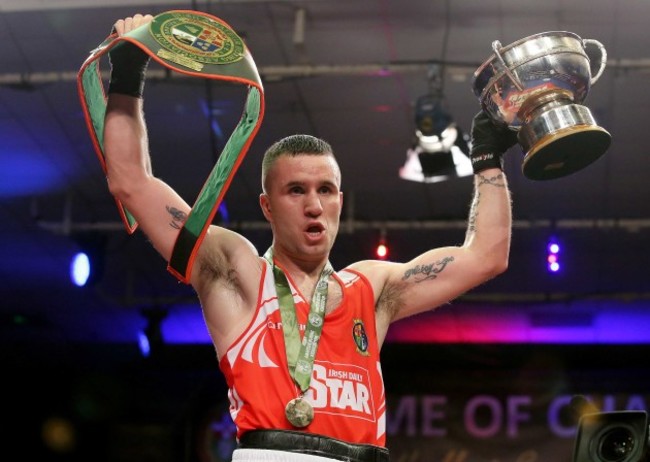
(140, 20)
(128, 24)
(119, 27)
(123, 26)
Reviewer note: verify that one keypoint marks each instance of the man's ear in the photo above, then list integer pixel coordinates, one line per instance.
(265, 205)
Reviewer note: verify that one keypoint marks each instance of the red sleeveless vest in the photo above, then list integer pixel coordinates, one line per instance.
(346, 389)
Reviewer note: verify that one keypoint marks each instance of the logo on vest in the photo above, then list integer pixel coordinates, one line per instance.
(360, 337)
(341, 389)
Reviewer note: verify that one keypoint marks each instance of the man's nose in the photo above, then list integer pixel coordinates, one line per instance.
(313, 205)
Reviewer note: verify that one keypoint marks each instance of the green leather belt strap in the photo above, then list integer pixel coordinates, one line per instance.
(199, 45)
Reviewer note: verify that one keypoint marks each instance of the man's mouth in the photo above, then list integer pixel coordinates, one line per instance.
(315, 230)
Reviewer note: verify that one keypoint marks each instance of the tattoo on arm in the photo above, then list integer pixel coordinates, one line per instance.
(494, 180)
(421, 273)
(473, 213)
(178, 217)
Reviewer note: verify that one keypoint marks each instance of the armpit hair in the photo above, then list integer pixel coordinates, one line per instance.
(215, 268)
(391, 299)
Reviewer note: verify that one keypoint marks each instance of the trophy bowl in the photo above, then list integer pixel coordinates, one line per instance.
(535, 86)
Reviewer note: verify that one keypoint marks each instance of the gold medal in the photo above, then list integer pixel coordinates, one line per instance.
(299, 412)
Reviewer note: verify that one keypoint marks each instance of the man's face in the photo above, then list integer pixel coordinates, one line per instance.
(303, 204)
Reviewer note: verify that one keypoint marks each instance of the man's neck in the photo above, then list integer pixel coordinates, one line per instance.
(304, 273)
(300, 268)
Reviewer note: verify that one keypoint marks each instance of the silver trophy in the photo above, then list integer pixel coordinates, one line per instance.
(535, 86)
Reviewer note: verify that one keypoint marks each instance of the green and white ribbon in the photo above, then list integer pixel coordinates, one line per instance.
(301, 353)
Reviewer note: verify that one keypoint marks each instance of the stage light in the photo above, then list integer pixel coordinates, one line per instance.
(553, 256)
(437, 158)
(80, 269)
(143, 344)
(59, 435)
(620, 436)
(382, 250)
(431, 115)
(87, 265)
(440, 150)
(150, 339)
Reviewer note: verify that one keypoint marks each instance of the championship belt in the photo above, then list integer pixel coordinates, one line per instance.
(198, 45)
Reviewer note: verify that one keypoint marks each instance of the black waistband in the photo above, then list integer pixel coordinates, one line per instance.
(315, 445)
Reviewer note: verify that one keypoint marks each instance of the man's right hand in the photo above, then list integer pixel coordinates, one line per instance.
(489, 143)
(122, 26)
(128, 62)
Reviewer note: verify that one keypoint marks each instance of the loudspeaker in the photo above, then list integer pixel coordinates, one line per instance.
(620, 436)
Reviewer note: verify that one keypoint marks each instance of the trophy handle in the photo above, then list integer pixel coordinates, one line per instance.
(603, 57)
(496, 47)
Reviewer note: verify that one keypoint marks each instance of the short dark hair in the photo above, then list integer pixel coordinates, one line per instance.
(293, 145)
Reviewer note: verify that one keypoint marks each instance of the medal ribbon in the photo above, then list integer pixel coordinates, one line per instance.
(239, 69)
(301, 354)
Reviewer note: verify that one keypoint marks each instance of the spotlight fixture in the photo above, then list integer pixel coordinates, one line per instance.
(440, 150)
(437, 157)
(431, 116)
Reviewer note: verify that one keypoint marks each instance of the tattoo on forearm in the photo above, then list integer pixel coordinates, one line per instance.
(178, 217)
(495, 180)
(473, 213)
(421, 273)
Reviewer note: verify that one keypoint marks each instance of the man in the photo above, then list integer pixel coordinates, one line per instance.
(320, 399)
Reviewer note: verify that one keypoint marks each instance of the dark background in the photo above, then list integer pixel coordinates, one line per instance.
(173, 407)
(353, 79)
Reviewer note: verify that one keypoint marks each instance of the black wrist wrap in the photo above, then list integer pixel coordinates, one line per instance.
(128, 69)
(486, 160)
(489, 142)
